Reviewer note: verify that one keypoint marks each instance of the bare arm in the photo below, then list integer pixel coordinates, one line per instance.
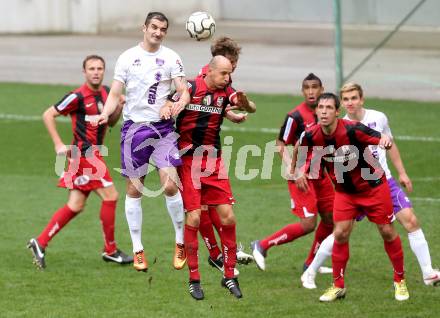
(114, 117)
(49, 121)
(243, 103)
(181, 86)
(236, 118)
(394, 155)
(111, 103)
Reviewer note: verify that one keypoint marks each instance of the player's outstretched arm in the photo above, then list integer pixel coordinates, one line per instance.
(181, 86)
(165, 111)
(385, 141)
(49, 121)
(111, 103)
(243, 103)
(396, 159)
(114, 117)
(236, 118)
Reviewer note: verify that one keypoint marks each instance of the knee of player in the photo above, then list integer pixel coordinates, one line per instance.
(228, 219)
(193, 218)
(76, 207)
(170, 189)
(408, 219)
(387, 231)
(341, 235)
(114, 196)
(308, 224)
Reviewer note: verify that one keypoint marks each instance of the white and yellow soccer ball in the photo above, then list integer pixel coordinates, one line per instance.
(200, 26)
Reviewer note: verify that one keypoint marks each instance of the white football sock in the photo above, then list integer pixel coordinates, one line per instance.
(420, 248)
(324, 252)
(175, 210)
(133, 213)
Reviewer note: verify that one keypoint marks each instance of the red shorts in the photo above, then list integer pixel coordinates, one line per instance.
(204, 181)
(375, 203)
(320, 198)
(86, 174)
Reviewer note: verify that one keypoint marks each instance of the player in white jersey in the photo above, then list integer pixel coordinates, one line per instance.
(147, 72)
(353, 100)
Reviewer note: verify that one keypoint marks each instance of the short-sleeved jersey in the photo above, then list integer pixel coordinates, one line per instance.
(199, 123)
(378, 121)
(84, 105)
(297, 120)
(364, 175)
(147, 78)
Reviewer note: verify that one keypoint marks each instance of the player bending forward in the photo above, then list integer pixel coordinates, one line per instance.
(341, 146)
(353, 101)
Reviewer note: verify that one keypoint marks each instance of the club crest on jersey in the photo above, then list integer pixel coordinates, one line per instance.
(372, 125)
(158, 76)
(220, 101)
(137, 62)
(160, 62)
(100, 106)
(207, 100)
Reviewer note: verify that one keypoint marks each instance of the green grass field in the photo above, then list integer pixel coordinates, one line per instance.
(77, 283)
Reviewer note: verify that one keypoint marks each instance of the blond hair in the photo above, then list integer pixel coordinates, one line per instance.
(349, 87)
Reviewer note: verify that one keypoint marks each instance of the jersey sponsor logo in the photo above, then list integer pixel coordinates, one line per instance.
(137, 62)
(66, 102)
(152, 94)
(204, 108)
(287, 129)
(220, 101)
(372, 125)
(159, 61)
(90, 118)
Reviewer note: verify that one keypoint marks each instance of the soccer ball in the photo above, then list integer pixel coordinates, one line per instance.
(200, 25)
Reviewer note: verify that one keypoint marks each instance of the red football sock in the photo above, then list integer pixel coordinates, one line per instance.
(285, 235)
(56, 223)
(340, 256)
(215, 218)
(323, 230)
(229, 244)
(107, 216)
(191, 247)
(395, 253)
(207, 233)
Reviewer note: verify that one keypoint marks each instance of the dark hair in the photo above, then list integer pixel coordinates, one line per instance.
(92, 57)
(328, 95)
(155, 15)
(312, 77)
(225, 46)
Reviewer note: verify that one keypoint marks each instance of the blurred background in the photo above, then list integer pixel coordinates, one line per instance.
(391, 47)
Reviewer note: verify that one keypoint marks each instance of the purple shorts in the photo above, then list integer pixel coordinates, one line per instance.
(398, 196)
(141, 142)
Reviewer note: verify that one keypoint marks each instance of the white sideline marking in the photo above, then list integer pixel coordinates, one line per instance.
(273, 131)
(432, 200)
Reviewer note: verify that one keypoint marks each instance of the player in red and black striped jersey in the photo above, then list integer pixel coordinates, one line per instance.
(86, 170)
(230, 49)
(305, 204)
(202, 174)
(341, 146)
